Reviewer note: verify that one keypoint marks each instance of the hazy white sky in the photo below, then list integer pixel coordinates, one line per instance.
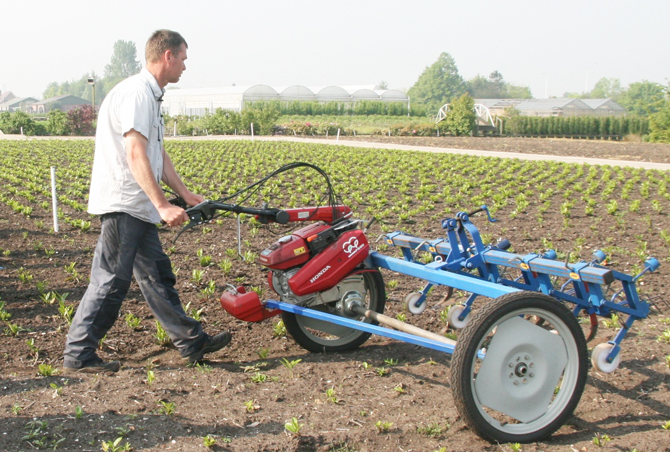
(554, 45)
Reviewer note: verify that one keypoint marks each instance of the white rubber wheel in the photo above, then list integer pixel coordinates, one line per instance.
(454, 314)
(514, 381)
(411, 303)
(599, 358)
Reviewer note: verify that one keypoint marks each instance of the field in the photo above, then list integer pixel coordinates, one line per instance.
(384, 396)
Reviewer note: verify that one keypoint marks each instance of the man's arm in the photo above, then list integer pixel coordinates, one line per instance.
(138, 162)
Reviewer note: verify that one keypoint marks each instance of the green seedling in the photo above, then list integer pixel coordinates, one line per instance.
(666, 426)
(151, 377)
(46, 370)
(293, 426)
(383, 427)
(226, 266)
(78, 412)
(196, 275)
(279, 329)
(382, 371)
(664, 337)
(390, 362)
(434, 430)
(263, 353)
(401, 316)
(116, 446)
(162, 338)
(600, 440)
(66, 312)
(259, 377)
(133, 321)
(209, 441)
(251, 406)
(166, 408)
(331, 396)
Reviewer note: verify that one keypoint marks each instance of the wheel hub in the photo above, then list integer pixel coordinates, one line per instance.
(521, 370)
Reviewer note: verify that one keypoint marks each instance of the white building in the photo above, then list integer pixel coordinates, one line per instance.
(199, 101)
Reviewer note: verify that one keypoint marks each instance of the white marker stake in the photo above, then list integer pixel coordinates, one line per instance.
(54, 199)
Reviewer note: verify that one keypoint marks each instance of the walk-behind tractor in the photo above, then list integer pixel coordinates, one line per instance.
(520, 364)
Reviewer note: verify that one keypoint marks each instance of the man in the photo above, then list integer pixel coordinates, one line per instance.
(129, 163)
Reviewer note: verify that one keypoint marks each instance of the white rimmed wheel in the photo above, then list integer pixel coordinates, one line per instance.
(453, 317)
(319, 336)
(514, 380)
(412, 305)
(599, 358)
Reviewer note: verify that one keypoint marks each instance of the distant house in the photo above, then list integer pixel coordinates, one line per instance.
(18, 104)
(7, 95)
(65, 102)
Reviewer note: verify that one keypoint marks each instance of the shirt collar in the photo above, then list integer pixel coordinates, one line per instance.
(151, 80)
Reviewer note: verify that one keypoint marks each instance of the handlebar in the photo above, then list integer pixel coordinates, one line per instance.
(205, 211)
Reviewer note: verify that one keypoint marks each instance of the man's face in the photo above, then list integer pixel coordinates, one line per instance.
(176, 64)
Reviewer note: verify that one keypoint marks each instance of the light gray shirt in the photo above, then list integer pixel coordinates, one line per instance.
(133, 104)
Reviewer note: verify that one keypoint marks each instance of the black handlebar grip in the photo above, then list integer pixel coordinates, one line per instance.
(282, 217)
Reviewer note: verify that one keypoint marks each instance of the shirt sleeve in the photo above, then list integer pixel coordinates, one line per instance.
(135, 114)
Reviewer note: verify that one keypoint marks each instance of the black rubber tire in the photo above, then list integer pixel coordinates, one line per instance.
(465, 359)
(376, 300)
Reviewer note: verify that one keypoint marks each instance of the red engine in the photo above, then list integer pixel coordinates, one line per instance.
(327, 255)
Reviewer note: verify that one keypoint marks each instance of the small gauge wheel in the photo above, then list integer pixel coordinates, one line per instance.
(412, 305)
(599, 358)
(454, 313)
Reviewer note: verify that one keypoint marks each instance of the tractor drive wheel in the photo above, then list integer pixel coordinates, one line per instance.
(320, 336)
(516, 380)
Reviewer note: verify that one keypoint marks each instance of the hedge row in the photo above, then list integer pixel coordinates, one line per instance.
(576, 126)
(363, 107)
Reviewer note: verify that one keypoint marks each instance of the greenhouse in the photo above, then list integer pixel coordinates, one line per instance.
(555, 107)
(199, 101)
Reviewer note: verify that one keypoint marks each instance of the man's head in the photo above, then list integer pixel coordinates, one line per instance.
(166, 52)
(160, 42)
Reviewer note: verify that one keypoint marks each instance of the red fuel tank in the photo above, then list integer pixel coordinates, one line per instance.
(332, 264)
(291, 250)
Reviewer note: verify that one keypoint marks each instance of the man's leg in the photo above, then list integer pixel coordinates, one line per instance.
(111, 272)
(153, 272)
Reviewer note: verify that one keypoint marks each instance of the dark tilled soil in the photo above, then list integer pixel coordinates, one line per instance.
(244, 395)
(602, 149)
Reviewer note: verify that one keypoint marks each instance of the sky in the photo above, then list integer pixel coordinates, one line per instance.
(552, 47)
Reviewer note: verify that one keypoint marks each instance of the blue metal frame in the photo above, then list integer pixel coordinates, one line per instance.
(464, 262)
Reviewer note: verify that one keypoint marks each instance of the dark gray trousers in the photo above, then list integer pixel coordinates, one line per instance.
(126, 247)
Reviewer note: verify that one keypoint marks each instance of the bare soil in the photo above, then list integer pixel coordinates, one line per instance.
(244, 395)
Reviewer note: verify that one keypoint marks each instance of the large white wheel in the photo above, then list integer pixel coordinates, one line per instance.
(515, 380)
(453, 317)
(411, 303)
(599, 358)
(320, 336)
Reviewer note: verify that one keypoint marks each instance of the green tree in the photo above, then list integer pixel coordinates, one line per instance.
(57, 123)
(659, 125)
(15, 122)
(494, 87)
(460, 119)
(607, 88)
(77, 87)
(123, 63)
(643, 98)
(439, 84)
